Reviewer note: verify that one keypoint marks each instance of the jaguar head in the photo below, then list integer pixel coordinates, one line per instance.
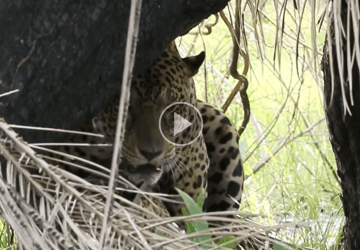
(146, 153)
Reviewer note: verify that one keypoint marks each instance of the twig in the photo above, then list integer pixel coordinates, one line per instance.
(133, 29)
(9, 93)
(285, 142)
(242, 84)
(56, 130)
(269, 128)
(207, 26)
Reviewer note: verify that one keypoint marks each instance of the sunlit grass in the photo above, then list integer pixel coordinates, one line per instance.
(296, 184)
(7, 238)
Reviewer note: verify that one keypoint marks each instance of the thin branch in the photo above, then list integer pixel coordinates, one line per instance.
(207, 26)
(284, 143)
(133, 29)
(56, 130)
(10, 92)
(242, 84)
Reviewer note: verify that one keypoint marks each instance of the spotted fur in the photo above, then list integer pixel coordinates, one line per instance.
(212, 162)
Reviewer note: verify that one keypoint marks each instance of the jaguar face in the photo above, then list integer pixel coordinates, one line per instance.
(145, 150)
(146, 154)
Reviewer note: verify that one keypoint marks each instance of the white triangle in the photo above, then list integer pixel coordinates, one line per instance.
(180, 124)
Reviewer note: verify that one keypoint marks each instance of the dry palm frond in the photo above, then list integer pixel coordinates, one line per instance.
(50, 208)
(131, 42)
(343, 31)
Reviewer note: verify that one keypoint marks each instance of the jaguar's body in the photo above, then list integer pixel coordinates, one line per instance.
(212, 162)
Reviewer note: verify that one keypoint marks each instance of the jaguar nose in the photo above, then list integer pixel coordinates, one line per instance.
(150, 155)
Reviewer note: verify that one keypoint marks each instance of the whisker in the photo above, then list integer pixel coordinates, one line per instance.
(172, 165)
(183, 168)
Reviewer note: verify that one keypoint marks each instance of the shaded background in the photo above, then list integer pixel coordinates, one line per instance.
(66, 57)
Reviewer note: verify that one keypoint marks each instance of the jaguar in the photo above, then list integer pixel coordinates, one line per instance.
(212, 162)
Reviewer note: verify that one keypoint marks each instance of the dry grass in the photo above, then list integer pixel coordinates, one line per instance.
(51, 208)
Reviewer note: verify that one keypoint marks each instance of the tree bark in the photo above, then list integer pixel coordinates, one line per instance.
(66, 56)
(344, 128)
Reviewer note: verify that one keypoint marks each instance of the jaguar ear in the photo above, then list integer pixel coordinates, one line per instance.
(194, 62)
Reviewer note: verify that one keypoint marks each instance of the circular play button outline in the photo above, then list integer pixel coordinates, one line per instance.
(201, 124)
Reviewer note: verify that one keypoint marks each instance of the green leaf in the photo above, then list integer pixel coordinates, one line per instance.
(191, 205)
(193, 208)
(225, 239)
(279, 247)
(189, 225)
(201, 198)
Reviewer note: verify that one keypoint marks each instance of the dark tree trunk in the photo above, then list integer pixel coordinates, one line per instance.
(344, 128)
(66, 56)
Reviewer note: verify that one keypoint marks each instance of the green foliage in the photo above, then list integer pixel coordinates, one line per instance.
(285, 90)
(5, 236)
(287, 137)
(195, 208)
(279, 247)
(228, 242)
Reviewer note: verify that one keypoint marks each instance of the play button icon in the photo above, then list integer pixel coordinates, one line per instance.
(180, 123)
